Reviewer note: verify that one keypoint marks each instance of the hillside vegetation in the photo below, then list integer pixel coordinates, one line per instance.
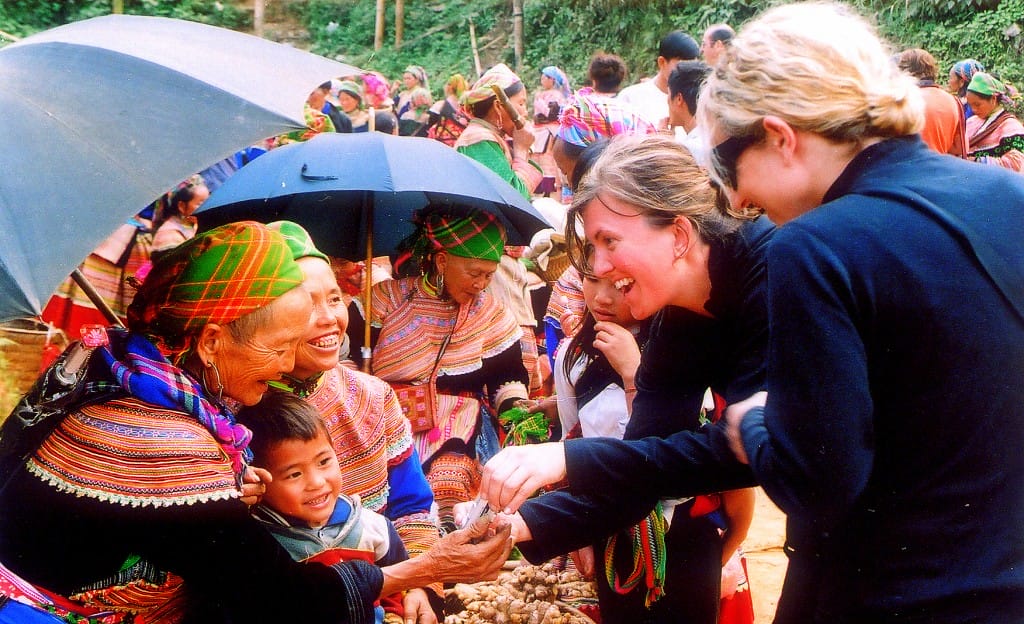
(556, 32)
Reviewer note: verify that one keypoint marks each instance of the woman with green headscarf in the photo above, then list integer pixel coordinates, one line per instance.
(994, 135)
(135, 500)
(441, 331)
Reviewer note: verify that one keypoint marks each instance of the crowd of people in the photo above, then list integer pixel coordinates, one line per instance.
(775, 281)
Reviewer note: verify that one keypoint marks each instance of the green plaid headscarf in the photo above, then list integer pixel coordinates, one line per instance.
(217, 277)
(479, 235)
(298, 240)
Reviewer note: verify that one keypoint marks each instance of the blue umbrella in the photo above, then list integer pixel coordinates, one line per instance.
(100, 117)
(355, 193)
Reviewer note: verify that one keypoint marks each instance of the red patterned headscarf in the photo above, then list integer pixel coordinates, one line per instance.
(217, 277)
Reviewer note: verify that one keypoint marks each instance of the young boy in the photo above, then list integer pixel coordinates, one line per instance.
(303, 506)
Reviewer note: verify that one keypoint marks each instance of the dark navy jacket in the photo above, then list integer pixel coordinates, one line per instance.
(893, 437)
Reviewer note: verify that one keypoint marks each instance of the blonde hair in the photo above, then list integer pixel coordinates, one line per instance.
(818, 66)
(660, 179)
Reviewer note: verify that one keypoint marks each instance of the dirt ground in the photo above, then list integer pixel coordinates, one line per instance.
(766, 563)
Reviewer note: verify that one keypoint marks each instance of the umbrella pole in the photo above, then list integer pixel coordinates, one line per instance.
(95, 298)
(367, 351)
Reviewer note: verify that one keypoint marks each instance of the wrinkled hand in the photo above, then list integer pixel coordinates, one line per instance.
(417, 608)
(254, 484)
(455, 558)
(619, 346)
(734, 415)
(514, 474)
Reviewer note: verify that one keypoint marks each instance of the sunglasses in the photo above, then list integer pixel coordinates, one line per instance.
(726, 153)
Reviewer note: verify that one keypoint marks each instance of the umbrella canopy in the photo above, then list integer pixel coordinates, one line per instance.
(100, 117)
(332, 183)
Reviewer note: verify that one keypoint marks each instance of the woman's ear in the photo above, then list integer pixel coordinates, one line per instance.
(441, 261)
(779, 135)
(683, 233)
(211, 342)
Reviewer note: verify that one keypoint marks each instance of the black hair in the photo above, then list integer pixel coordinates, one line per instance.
(280, 417)
(686, 80)
(721, 32)
(679, 45)
(385, 121)
(167, 206)
(606, 72)
(585, 159)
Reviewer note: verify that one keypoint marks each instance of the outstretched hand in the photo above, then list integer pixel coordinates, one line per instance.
(473, 554)
(734, 415)
(514, 474)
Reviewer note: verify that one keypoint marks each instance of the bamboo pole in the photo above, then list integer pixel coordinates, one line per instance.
(517, 33)
(399, 22)
(378, 27)
(258, 11)
(367, 351)
(476, 52)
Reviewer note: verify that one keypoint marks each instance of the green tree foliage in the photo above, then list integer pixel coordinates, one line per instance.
(567, 32)
(24, 17)
(562, 32)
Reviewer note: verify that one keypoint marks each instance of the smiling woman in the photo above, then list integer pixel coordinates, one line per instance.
(142, 496)
(368, 432)
(656, 234)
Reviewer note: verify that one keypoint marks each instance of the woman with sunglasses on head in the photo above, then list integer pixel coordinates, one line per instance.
(889, 434)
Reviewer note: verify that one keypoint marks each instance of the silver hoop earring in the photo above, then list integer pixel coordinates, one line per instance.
(216, 375)
(440, 283)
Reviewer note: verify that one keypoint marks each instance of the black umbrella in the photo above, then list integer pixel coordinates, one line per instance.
(102, 116)
(356, 193)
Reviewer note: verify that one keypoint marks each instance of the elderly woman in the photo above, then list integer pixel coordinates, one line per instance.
(441, 331)
(133, 502)
(371, 436)
(995, 136)
(485, 139)
(857, 440)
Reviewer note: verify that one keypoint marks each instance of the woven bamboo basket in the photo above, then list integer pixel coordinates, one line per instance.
(558, 260)
(556, 266)
(21, 354)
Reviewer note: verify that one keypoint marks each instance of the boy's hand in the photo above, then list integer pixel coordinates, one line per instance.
(417, 608)
(254, 484)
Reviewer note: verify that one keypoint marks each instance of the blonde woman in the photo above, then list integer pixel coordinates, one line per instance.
(889, 433)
